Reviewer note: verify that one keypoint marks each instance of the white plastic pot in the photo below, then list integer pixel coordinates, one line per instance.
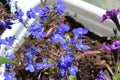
(83, 12)
(18, 30)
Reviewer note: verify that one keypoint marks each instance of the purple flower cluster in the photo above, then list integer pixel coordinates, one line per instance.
(43, 12)
(37, 30)
(101, 76)
(62, 29)
(58, 35)
(19, 15)
(31, 65)
(8, 41)
(43, 65)
(78, 34)
(57, 38)
(5, 24)
(59, 7)
(66, 66)
(113, 15)
(9, 75)
(114, 46)
(29, 55)
(9, 65)
(31, 13)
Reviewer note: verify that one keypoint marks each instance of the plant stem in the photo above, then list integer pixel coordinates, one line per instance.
(115, 59)
(43, 2)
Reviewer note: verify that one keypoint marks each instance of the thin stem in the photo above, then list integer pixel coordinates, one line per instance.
(43, 2)
(115, 59)
(66, 76)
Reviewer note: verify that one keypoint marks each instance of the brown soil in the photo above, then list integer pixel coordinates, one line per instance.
(1, 31)
(5, 14)
(90, 65)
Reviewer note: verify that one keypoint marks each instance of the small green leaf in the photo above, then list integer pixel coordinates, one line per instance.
(118, 64)
(71, 77)
(4, 60)
(46, 73)
(116, 77)
(49, 60)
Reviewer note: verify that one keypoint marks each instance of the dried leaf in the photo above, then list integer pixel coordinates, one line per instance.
(92, 52)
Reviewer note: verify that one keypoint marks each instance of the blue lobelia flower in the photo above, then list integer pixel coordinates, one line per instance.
(46, 64)
(82, 47)
(9, 75)
(111, 14)
(10, 40)
(62, 29)
(57, 38)
(101, 76)
(30, 68)
(29, 56)
(37, 30)
(19, 15)
(65, 46)
(73, 70)
(38, 66)
(43, 65)
(30, 53)
(9, 65)
(60, 39)
(3, 41)
(31, 13)
(65, 64)
(59, 7)
(12, 56)
(39, 10)
(80, 31)
(43, 12)
(5, 24)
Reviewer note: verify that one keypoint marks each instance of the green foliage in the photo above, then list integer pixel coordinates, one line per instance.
(116, 77)
(4, 60)
(71, 77)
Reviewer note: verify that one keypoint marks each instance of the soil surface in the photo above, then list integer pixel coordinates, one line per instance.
(5, 13)
(89, 64)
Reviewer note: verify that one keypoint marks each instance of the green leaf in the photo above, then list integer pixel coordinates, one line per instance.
(49, 60)
(116, 77)
(4, 60)
(71, 77)
(118, 64)
(46, 73)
